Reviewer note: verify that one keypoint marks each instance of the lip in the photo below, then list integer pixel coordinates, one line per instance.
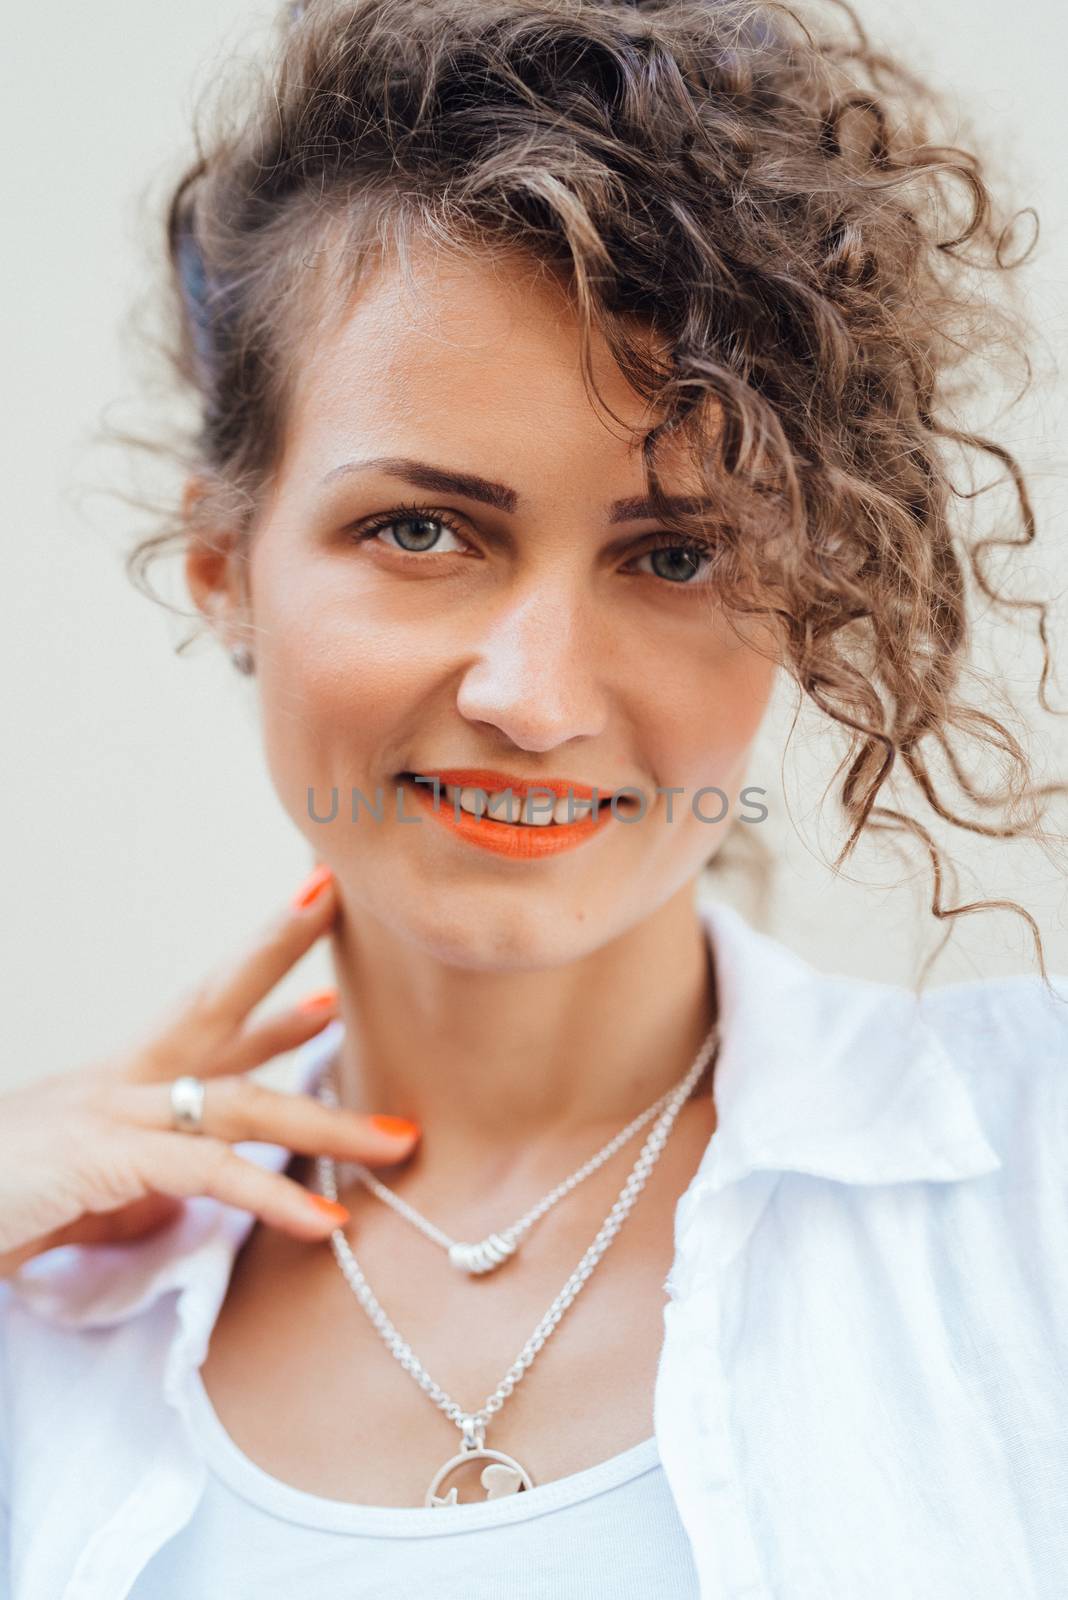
(490, 779)
(518, 841)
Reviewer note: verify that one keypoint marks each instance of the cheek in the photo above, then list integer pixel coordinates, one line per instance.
(706, 722)
(336, 684)
(704, 744)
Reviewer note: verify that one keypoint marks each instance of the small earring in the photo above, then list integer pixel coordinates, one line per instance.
(241, 656)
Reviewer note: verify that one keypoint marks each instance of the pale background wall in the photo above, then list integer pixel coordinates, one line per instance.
(142, 841)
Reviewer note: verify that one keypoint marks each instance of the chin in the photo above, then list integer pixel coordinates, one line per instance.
(485, 933)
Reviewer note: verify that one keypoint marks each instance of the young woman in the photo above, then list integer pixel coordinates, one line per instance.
(569, 376)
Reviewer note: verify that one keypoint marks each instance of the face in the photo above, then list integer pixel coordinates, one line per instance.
(519, 623)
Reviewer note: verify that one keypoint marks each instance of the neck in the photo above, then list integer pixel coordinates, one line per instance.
(491, 1063)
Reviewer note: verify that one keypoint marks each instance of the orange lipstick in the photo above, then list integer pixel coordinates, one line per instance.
(521, 841)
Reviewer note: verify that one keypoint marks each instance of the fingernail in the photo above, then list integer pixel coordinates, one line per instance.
(338, 1215)
(318, 1000)
(399, 1127)
(314, 886)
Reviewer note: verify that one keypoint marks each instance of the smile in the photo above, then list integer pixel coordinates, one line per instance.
(509, 823)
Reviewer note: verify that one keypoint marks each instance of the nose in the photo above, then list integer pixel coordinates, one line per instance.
(536, 673)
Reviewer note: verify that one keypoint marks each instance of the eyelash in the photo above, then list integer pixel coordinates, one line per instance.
(403, 513)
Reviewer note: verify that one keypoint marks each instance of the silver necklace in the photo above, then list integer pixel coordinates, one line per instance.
(502, 1474)
(497, 1247)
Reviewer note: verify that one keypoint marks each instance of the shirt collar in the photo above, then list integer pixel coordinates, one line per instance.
(834, 1076)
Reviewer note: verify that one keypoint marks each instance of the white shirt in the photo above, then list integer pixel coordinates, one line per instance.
(862, 1382)
(609, 1533)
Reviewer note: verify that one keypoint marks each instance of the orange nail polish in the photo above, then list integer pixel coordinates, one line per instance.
(338, 1215)
(399, 1127)
(318, 1000)
(314, 886)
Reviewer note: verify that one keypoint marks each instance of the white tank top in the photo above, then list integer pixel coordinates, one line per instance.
(610, 1532)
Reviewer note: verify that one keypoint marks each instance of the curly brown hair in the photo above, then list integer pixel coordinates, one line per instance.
(756, 185)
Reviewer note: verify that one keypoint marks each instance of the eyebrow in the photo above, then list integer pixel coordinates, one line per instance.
(440, 480)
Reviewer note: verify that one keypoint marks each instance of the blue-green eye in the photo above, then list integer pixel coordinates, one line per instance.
(415, 529)
(681, 561)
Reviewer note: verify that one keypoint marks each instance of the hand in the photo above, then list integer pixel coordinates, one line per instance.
(90, 1156)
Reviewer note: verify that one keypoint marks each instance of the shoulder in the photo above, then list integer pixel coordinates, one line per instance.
(100, 1334)
(46, 1357)
(1008, 1039)
(984, 1015)
(72, 1395)
(1008, 1036)
(77, 1389)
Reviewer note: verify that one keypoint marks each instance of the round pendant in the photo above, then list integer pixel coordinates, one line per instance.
(500, 1475)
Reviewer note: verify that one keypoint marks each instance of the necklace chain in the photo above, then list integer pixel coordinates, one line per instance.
(473, 1424)
(499, 1245)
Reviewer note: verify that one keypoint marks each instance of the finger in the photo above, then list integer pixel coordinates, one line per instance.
(287, 936)
(187, 1167)
(241, 1108)
(205, 1022)
(262, 1041)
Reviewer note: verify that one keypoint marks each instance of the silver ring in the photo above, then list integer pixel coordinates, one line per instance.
(187, 1105)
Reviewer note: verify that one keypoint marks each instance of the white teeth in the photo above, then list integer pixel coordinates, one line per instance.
(579, 809)
(473, 800)
(538, 810)
(504, 805)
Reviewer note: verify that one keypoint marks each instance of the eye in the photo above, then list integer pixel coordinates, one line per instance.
(416, 529)
(682, 560)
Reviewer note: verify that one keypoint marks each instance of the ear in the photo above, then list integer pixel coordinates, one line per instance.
(214, 573)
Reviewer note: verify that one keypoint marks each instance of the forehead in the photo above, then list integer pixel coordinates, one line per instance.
(481, 352)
